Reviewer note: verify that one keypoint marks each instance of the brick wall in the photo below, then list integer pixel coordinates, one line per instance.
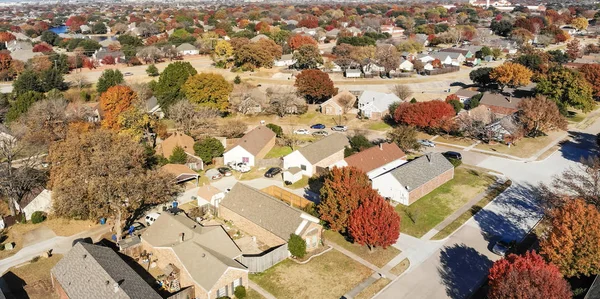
(376, 115)
(58, 288)
(330, 109)
(265, 149)
(500, 110)
(227, 280)
(250, 227)
(339, 156)
(304, 236)
(423, 190)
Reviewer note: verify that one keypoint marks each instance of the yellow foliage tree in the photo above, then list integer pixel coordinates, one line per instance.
(580, 23)
(115, 101)
(136, 124)
(223, 50)
(209, 90)
(511, 74)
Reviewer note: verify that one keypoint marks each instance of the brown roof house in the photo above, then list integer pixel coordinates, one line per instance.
(339, 104)
(253, 146)
(415, 179)
(317, 156)
(377, 160)
(92, 271)
(184, 141)
(200, 256)
(267, 218)
(181, 172)
(464, 95)
(500, 103)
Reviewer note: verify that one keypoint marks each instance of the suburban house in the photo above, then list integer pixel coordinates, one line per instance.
(500, 103)
(392, 30)
(464, 51)
(102, 53)
(181, 172)
(253, 146)
(204, 256)
(153, 108)
(464, 95)
(414, 179)
(339, 104)
(90, 111)
(187, 49)
(184, 141)
(269, 219)
(38, 199)
(352, 73)
(377, 160)
(285, 60)
(317, 156)
(375, 105)
(406, 65)
(92, 271)
(444, 58)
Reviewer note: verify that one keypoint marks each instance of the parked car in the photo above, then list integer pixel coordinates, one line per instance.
(150, 218)
(340, 128)
(425, 142)
(302, 132)
(128, 74)
(241, 167)
(318, 126)
(320, 133)
(503, 247)
(224, 171)
(453, 155)
(272, 172)
(213, 174)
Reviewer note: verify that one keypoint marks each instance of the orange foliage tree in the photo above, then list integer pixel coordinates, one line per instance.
(591, 72)
(511, 74)
(115, 101)
(5, 61)
(374, 222)
(6, 37)
(297, 40)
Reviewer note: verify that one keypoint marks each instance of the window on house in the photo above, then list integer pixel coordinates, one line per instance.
(222, 292)
(245, 159)
(303, 167)
(237, 283)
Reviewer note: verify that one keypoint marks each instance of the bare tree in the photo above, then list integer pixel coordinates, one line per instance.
(46, 121)
(388, 57)
(119, 28)
(79, 80)
(402, 91)
(150, 54)
(346, 101)
(582, 182)
(233, 129)
(143, 91)
(189, 117)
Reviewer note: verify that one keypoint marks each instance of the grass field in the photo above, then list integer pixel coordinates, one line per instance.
(330, 275)
(379, 126)
(401, 267)
(252, 294)
(433, 208)
(278, 151)
(379, 257)
(303, 182)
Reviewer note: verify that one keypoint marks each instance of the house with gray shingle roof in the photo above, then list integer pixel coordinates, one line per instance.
(415, 179)
(92, 271)
(252, 146)
(187, 49)
(323, 154)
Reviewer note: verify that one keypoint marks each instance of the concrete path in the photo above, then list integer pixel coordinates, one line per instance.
(361, 286)
(360, 260)
(260, 290)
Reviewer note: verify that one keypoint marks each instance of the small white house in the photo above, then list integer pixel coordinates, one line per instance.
(406, 65)
(292, 174)
(187, 49)
(353, 73)
(375, 105)
(254, 145)
(37, 200)
(285, 61)
(323, 154)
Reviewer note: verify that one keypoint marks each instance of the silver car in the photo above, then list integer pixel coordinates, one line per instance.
(427, 143)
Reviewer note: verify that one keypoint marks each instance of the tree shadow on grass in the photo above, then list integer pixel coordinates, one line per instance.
(462, 269)
(581, 145)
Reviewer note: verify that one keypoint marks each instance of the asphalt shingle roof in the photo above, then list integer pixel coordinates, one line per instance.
(421, 170)
(376, 157)
(316, 152)
(255, 140)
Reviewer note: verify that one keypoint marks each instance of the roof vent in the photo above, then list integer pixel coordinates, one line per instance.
(116, 287)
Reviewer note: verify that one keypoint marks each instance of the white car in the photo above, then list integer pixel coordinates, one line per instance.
(425, 142)
(301, 132)
(241, 167)
(150, 218)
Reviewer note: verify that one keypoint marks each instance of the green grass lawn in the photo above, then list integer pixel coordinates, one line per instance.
(433, 208)
(303, 182)
(278, 151)
(379, 257)
(330, 275)
(379, 126)
(252, 294)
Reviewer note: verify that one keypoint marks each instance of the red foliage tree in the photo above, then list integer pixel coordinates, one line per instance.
(527, 276)
(74, 22)
(220, 32)
(452, 97)
(262, 27)
(297, 40)
(309, 22)
(6, 37)
(5, 61)
(108, 60)
(432, 114)
(315, 85)
(591, 72)
(88, 63)
(374, 223)
(42, 47)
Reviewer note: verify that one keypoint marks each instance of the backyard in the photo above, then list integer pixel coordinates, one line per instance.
(32, 280)
(330, 275)
(378, 258)
(278, 152)
(433, 208)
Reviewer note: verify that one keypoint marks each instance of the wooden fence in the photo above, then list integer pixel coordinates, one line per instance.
(444, 70)
(287, 196)
(260, 262)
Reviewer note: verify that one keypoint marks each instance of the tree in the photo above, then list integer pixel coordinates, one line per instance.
(137, 124)
(591, 73)
(307, 57)
(208, 149)
(240, 292)
(152, 70)
(388, 57)
(342, 191)
(22, 104)
(108, 79)
(580, 23)
(374, 222)
(540, 115)
(178, 156)
(359, 143)
(573, 243)
(116, 182)
(574, 50)
(298, 40)
(405, 137)
(189, 117)
(511, 74)
(251, 56)
(481, 76)
(209, 90)
(125, 39)
(168, 89)
(502, 28)
(99, 28)
(526, 277)
(521, 36)
(567, 88)
(223, 50)
(276, 129)
(402, 91)
(113, 102)
(315, 85)
(455, 102)
(42, 48)
(46, 121)
(6, 37)
(297, 246)
(27, 81)
(427, 115)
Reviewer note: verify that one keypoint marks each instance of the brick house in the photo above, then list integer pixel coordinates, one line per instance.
(334, 106)
(204, 255)
(377, 160)
(499, 103)
(267, 218)
(415, 179)
(92, 271)
(323, 154)
(253, 146)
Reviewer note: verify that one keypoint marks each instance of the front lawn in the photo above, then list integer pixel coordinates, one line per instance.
(278, 151)
(433, 208)
(379, 126)
(373, 289)
(34, 276)
(379, 257)
(330, 275)
(523, 148)
(454, 140)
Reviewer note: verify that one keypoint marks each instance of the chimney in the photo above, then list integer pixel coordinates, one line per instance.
(182, 237)
(381, 146)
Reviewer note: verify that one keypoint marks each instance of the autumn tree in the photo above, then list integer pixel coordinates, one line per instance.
(251, 56)
(42, 48)
(315, 85)
(116, 182)
(307, 57)
(223, 51)
(6, 37)
(108, 79)
(591, 73)
(46, 121)
(511, 74)
(402, 91)
(580, 23)
(168, 89)
(269, 46)
(405, 137)
(573, 243)
(374, 222)
(526, 277)
(209, 90)
(137, 124)
(113, 102)
(297, 40)
(208, 149)
(388, 57)
(342, 191)
(433, 115)
(574, 50)
(567, 88)
(540, 115)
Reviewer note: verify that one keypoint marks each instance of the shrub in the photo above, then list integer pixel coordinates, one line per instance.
(237, 80)
(413, 100)
(37, 217)
(275, 128)
(152, 70)
(35, 259)
(297, 246)
(240, 292)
